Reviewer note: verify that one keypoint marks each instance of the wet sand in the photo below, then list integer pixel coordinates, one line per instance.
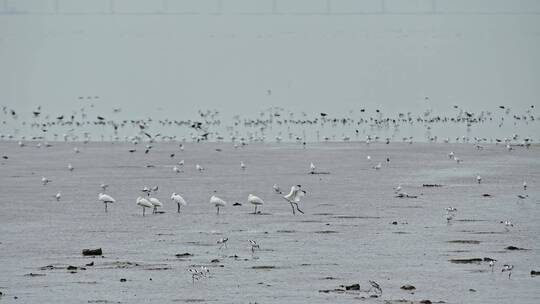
(346, 235)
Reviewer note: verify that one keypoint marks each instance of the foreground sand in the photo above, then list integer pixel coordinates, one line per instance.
(345, 237)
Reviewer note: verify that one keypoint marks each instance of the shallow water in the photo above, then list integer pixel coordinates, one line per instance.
(344, 237)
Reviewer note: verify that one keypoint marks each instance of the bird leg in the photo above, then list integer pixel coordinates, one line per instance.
(293, 212)
(143, 209)
(217, 210)
(298, 208)
(105, 207)
(178, 207)
(255, 210)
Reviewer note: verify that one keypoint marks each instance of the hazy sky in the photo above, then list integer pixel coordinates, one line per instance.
(172, 65)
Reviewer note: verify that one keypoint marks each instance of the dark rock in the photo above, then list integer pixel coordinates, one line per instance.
(466, 261)
(425, 302)
(394, 223)
(123, 280)
(332, 290)
(464, 242)
(373, 296)
(90, 264)
(487, 259)
(34, 274)
(355, 286)
(431, 185)
(535, 273)
(263, 267)
(214, 261)
(183, 255)
(92, 251)
(237, 204)
(71, 267)
(472, 290)
(515, 248)
(486, 195)
(408, 287)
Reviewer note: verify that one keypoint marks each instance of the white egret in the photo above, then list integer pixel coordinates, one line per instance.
(144, 203)
(294, 197)
(106, 199)
(179, 200)
(156, 203)
(217, 202)
(256, 201)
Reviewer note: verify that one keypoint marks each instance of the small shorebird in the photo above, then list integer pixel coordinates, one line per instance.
(146, 190)
(222, 242)
(376, 286)
(70, 167)
(508, 268)
(253, 245)
(242, 165)
(45, 180)
(199, 168)
(58, 196)
(479, 179)
(492, 264)
(312, 168)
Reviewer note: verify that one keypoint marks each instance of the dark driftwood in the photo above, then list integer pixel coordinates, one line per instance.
(92, 251)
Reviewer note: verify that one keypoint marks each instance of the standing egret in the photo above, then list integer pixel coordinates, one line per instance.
(255, 200)
(144, 203)
(217, 202)
(179, 200)
(294, 197)
(106, 199)
(156, 203)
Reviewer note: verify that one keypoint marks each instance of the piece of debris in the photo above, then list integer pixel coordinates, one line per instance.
(183, 255)
(515, 248)
(92, 251)
(408, 287)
